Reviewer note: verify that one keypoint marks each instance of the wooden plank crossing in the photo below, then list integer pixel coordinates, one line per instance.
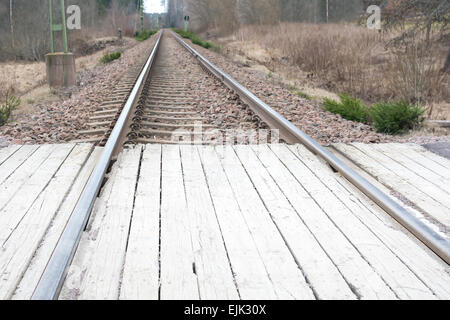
(420, 176)
(244, 222)
(38, 190)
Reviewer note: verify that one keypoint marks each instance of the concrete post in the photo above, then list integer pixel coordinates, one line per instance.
(60, 69)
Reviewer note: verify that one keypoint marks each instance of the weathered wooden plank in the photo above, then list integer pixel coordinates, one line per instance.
(391, 180)
(415, 168)
(141, 271)
(88, 244)
(178, 278)
(7, 152)
(22, 243)
(287, 278)
(323, 276)
(364, 281)
(215, 279)
(30, 279)
(425, 264)
(103, 271)
(432, 156)
(15, 161)
(17, 179)
(248, 266)
(422, 156)
(418, 168)
(433, 191)
(340, 207)
(18, 206)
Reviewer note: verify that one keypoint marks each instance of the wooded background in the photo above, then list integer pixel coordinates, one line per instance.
(227, 15)
(25, 24)
(26, 28)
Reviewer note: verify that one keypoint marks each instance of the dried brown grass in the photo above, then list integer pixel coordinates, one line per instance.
(352, 59)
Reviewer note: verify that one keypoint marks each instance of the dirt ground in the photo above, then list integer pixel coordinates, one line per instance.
(272, 63)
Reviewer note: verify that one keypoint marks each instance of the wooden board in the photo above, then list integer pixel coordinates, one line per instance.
(243, 222)
(17, 179)
(323, 276)
(88, 242)
(412, 189)
(6, 152)
(141, 271)
(15, 161)
(42, 255)
(212, 267)
(287, 278)
(420, 155)
(103, 270)
(24, 238)
(406, 173)
(360, 276)
(21, 202)
(424, 263)
(341, 209)
(246, 261)
(418, 168)
(178, 278)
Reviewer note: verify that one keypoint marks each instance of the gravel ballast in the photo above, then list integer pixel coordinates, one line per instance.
(59, 122)
(321, 125)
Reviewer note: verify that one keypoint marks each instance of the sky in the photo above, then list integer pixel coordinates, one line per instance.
(153, 6)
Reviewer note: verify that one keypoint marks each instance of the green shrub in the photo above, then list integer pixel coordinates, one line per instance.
(11, 102)
(144, 35)
(110, 57)
(397, 117)
(349, 108)
(195, 39)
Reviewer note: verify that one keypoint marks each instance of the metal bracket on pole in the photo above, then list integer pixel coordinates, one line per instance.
(58, 27)
(186, 23)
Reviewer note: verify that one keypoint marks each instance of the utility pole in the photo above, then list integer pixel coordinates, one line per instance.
(60, 65)
(141, 13)
(58, 27)
(327, 4)
(11, 22)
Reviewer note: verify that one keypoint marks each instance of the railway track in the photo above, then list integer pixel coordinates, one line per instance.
(168, 105)
(159, 104)
(168, 110)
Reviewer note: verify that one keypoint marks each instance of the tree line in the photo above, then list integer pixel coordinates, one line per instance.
(227, 15)
(27, 23)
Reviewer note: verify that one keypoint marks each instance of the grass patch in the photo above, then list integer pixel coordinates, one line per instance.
(304, 95)
(196, 39)
(301, 94)
(6, 108)
(349, 108)
(107, 58)
(144, 35)
(396, 117)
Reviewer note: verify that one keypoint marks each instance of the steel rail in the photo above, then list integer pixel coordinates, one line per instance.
(54, 274)
(290, 133)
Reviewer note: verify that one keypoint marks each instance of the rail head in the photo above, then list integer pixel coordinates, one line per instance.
(291, 134)
(54, 274)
